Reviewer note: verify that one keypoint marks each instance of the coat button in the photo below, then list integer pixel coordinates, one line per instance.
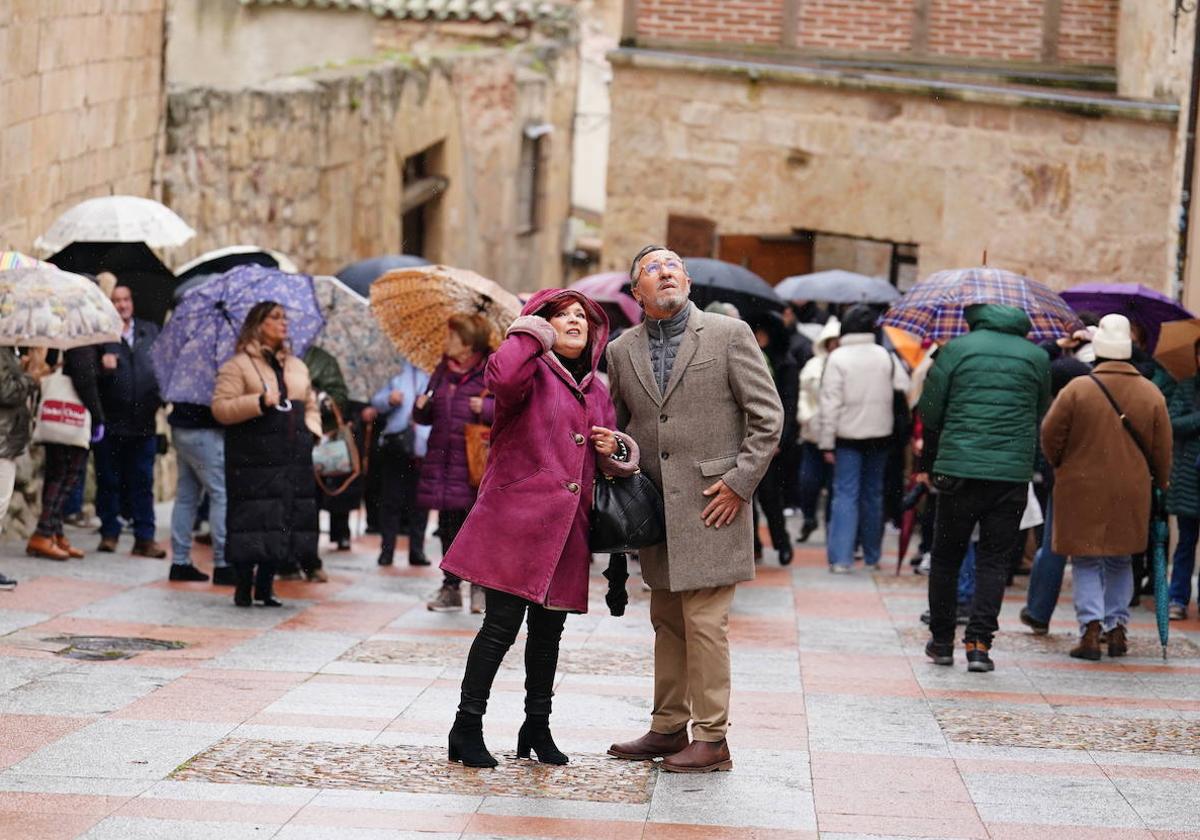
(666, 455)
(579, 439)
(662, 418)
(573, 487)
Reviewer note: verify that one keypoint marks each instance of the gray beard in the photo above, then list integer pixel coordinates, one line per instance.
(671, 302)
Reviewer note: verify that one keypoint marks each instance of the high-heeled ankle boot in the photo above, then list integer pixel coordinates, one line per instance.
(243, 580)
(495, 637)
(466, 742)
(535, 735)
(541, 663)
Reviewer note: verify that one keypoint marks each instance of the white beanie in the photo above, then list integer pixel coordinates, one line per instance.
(1112, 339)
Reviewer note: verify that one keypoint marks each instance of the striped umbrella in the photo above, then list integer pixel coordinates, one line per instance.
(934, 307)
(15, 259)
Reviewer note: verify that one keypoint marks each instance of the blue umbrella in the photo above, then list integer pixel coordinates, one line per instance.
(360, 275)
(200, 336)
(837, 286)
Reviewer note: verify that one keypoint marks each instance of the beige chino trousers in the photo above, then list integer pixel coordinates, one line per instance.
(691, 661)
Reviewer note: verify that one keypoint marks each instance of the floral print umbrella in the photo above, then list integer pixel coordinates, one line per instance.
(42, 306)
(364, 353)
(200, 336)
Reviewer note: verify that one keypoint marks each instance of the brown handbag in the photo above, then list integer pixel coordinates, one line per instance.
(479, 443)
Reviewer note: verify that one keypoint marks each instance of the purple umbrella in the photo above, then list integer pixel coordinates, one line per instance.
(200, 336)
(1148, 308)
(605, 289)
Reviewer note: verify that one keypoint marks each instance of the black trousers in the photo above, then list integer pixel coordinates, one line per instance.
(450, 522)
(501, 623)
(398, 512)
(771, 493)
(997, 507)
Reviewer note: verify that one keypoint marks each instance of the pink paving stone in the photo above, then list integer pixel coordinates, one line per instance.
(964, 828)
(202, 811)
(881, 802)
(770, 577)
(344, 818)
(506, 826)
(676, 831)
(26, 825)
(202, 642)
(21, 735)
(363, 724)
(346, 617)
(817, 603)
(835, 772)
(59, 803)
(1007, 767)
(56, 595)
(762, 631)
(205, 700)
(863, 687)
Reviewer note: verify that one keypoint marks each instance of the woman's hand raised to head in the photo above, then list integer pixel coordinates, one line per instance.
(605, 440)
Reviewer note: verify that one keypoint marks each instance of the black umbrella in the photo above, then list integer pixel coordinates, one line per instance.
(360, 275)
(135, 265)
(225, 259)
(717, 280)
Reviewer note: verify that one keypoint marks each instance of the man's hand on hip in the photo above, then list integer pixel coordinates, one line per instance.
(724, 506)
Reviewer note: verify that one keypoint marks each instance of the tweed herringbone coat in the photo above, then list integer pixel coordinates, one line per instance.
(720, 417)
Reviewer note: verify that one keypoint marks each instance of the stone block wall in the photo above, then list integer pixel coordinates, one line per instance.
(80, 98)
(1065, 198)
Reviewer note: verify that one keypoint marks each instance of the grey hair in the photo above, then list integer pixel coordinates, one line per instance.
(649, 249)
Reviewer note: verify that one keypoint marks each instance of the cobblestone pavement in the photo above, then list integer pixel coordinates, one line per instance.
(327, 718)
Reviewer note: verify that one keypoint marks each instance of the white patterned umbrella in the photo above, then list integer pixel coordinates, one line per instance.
(117, 218)
(42, 306)
(353, 337)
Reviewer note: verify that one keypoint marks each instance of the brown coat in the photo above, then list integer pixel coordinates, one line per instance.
(720, 418)
(1101, 482)
(240, 382)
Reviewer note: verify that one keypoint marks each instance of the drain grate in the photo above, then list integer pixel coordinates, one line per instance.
(105, 648)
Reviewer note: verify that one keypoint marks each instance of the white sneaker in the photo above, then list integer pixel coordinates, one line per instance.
(838, 569)
(478, 602)
(925, 564)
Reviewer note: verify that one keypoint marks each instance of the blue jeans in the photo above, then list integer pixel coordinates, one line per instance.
(1103, 589)
(1046, 577)
(1183, 563)
(200, 455)
(857, 505)
(814, 477)
(125, 481)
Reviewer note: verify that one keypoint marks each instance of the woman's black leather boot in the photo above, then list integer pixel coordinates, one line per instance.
(243, 578)
(541, 664)
(466, 742)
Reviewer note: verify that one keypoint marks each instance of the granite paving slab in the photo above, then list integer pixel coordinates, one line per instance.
(1071, 732)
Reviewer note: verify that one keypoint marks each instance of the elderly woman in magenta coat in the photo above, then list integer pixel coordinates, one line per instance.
(526, 539)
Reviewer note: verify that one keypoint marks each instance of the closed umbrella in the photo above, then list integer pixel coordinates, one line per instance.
(1176, 350)
(934, 307)
(414, 305)
(42, 306)
(353, 337)
(607, 289)
(1159, 533)
(201, 335)
(117, 218)
(837, 286)
(1148, 308)
(360, 275)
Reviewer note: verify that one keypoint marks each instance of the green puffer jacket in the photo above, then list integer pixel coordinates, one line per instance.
(1183, 496)
(985, 395)
(326, 376)
(15, 415)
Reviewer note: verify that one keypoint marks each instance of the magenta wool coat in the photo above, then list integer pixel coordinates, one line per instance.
(528, 531)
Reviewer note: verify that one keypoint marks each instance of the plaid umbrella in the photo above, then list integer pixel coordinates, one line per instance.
(934, 307)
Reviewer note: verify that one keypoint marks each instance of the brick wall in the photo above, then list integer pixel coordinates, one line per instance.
(1001, 29)
(1088, 32)
(887, 26)
(80, 99)
(727, 21)
(1007, 30)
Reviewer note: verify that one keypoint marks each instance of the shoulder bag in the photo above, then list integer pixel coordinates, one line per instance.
(1155, 496)
(336, 454)
(62, 417)
(479, 444)
(627, 514)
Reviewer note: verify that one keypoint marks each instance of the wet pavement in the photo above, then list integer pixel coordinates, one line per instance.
(327, 718)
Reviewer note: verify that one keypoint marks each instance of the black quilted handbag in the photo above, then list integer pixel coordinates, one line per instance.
(627, 514)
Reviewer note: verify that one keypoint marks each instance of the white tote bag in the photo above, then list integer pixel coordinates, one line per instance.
(62, 417)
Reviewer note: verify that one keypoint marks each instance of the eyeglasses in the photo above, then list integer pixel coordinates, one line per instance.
(656, 267)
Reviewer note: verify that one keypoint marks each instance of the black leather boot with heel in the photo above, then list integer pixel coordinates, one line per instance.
(541, 663)
(466, 742)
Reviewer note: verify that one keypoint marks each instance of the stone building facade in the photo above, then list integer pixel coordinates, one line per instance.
(939, 149)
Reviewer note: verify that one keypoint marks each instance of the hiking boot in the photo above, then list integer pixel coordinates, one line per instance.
(1089, 643)
(650, 746)
(107, 545)
(46, 548)
(478, 600)
(65, 544)
(1176, 612)
(1039, 628)
(1118, 643)
(700, 757)
(978, 659)
(186, 572)
(447, 599)
(940, 654)
(148, 548)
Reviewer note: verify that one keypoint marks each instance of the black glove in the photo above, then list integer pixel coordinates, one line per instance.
(617, 573)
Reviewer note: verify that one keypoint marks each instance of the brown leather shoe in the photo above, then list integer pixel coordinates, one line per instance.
(1089, 643)
(650, 746)
(148, 548)
(39, 546)
(700, 757)
(107, 544)
(1118, 643)
(65, 544)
